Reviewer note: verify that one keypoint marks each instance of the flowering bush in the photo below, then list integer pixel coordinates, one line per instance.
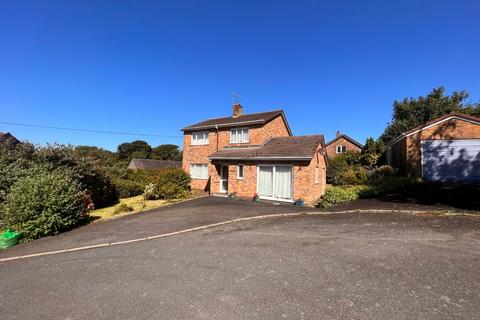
(151, 192)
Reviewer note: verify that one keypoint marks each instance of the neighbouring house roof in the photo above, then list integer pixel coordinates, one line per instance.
(277, 148)
(431, 123)
(8, 137)
(338, 137)
(150, 164)
(244, 119)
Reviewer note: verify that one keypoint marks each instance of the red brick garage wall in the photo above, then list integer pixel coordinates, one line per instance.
(453, 129)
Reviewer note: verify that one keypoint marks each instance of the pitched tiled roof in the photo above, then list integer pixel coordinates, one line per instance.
(245, 119)
(277, 148)
(451, 115)
(150, 164)
(8, 137)
(355, 142)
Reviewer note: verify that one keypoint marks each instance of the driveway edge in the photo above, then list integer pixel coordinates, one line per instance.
(212, 225)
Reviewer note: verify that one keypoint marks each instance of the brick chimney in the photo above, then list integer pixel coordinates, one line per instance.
(237, 109)
(339, 134)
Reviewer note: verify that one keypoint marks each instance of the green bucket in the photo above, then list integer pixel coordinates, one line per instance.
(9, 239)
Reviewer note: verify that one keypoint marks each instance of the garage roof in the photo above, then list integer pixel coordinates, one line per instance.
(452, 115)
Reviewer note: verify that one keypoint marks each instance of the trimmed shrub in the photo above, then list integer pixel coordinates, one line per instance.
(44, 203)
(171, 190)
(379, 174)
(128, 188)
(337, 195)
(173, 183)
(123, 208)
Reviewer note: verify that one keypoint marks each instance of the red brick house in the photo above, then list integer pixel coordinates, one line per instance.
(341, 144)
(444, 149)
(254, 153)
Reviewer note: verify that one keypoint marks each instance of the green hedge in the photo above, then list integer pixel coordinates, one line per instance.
(338, 195)
(128, 188)
(44, 203)
(171, 183)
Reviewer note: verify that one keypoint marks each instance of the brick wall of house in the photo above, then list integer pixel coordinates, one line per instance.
(454, 129)
(192, 154)
(304, 175)
(304, 185)
(331, 148)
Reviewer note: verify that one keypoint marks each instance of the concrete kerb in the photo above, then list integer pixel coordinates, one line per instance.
(213, 225)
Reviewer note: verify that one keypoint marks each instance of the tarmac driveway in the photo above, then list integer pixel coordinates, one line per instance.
(341, 266)
(185, 215)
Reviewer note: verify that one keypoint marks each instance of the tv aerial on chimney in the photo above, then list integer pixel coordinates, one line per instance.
(236, 97)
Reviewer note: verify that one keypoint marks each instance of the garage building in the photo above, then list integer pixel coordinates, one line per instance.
(446, 149)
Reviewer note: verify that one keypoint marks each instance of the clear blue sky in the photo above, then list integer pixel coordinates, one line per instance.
(154, 67)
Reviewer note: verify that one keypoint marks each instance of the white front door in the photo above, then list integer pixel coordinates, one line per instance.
(224, 178)
(275, 182)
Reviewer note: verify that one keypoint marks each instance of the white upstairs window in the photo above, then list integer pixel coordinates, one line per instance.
(199, 171)
(199, 138)
(341, 149)
(239, 135)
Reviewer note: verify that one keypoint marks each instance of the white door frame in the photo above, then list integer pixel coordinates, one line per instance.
(222, 178)
(273, 181)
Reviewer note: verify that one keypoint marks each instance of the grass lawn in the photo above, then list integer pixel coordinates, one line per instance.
(137, 203)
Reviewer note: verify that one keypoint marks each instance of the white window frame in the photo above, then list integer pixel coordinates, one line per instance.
(292, 182)
(340, 149)
(234, 133)
(199, 142)
(238, 171)
(194, 171)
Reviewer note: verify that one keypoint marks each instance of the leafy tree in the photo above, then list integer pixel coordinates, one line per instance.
(372, 152)
(167, 152)
(411, 112)
(126, 150)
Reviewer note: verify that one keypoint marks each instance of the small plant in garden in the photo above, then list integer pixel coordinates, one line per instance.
(121, 208)
(337, 195)
(151, 192)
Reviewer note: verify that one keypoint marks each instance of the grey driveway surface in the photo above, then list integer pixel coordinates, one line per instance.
(341, 266)
(180, 216)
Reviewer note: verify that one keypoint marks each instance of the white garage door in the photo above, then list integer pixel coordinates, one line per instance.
(451, 160)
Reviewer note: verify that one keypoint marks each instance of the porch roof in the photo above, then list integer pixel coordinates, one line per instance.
(277, 148)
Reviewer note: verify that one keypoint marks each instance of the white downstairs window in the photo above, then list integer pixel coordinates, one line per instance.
(240, 171)
(199, 171)
(239, 135)
(199, 138)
